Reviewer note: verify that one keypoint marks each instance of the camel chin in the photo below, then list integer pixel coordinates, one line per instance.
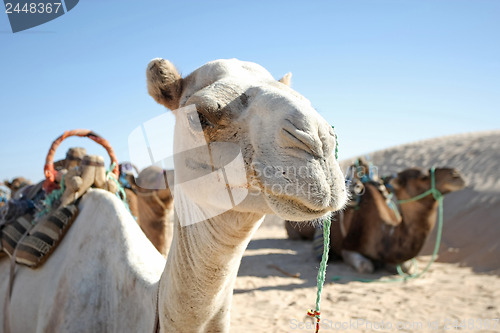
(291, 210)
(456, 185)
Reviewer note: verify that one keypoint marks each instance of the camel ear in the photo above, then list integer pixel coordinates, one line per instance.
(286, 79)
(164, 83)
(8, 184)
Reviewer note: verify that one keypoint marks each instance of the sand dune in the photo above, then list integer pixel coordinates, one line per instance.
(462, 289)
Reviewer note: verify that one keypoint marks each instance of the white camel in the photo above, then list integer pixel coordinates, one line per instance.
(107, 277)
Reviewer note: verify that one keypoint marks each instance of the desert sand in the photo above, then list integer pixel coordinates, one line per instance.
(276, 282)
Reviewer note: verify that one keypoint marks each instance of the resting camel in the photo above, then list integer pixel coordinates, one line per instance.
(151, 202)
(107, 277)
(374, 236)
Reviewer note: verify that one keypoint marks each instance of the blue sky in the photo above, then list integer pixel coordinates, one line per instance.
(383, 72)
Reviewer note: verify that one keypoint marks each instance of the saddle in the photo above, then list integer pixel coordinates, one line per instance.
(32, 226)
(360, 173)
(357, 176)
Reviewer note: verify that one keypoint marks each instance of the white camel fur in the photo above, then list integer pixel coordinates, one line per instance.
(105, 275)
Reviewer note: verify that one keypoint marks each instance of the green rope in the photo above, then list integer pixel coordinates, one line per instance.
(322, 271)
(55, 195)
(438, 196)
(51, 199)
(324, 259)
(336, 144)
(120, 191)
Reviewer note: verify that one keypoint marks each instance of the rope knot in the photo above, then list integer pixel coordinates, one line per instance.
(437, 195)
(315, 314)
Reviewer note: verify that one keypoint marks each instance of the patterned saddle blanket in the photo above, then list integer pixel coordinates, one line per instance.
(33, 224)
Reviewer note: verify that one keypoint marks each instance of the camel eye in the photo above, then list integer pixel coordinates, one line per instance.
(194, 121)
(198, 122)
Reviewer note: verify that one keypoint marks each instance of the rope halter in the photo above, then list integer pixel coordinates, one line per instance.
(438, 196)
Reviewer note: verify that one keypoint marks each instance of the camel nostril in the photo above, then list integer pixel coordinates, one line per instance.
(297, 138)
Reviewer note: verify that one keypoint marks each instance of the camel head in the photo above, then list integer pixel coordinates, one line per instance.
(153, 179)
(287, 148)
(413, 182)
(16, 184)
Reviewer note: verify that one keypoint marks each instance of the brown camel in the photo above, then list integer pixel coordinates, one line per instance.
(151, 202)
(300, 230)
(374, 234)
(369, 234)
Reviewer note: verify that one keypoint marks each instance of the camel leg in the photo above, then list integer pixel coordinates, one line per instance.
(360, 263)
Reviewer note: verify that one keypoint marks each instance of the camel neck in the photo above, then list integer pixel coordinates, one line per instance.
(197, 284)
(421, 214)
(419, 218)
(155, 221)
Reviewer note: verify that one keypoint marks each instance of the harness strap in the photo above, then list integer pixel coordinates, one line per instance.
(434, 191)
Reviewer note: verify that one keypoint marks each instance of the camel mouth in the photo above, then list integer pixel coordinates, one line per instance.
(294, 209)
(456, 185)
(455, 182)
(307, 196)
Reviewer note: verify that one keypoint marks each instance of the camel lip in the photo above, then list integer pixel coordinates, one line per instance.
(457, 187)
(301, 212)
(456, 183)
(336, 202)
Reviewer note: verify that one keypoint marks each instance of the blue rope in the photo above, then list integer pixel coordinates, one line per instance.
(120, 192)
